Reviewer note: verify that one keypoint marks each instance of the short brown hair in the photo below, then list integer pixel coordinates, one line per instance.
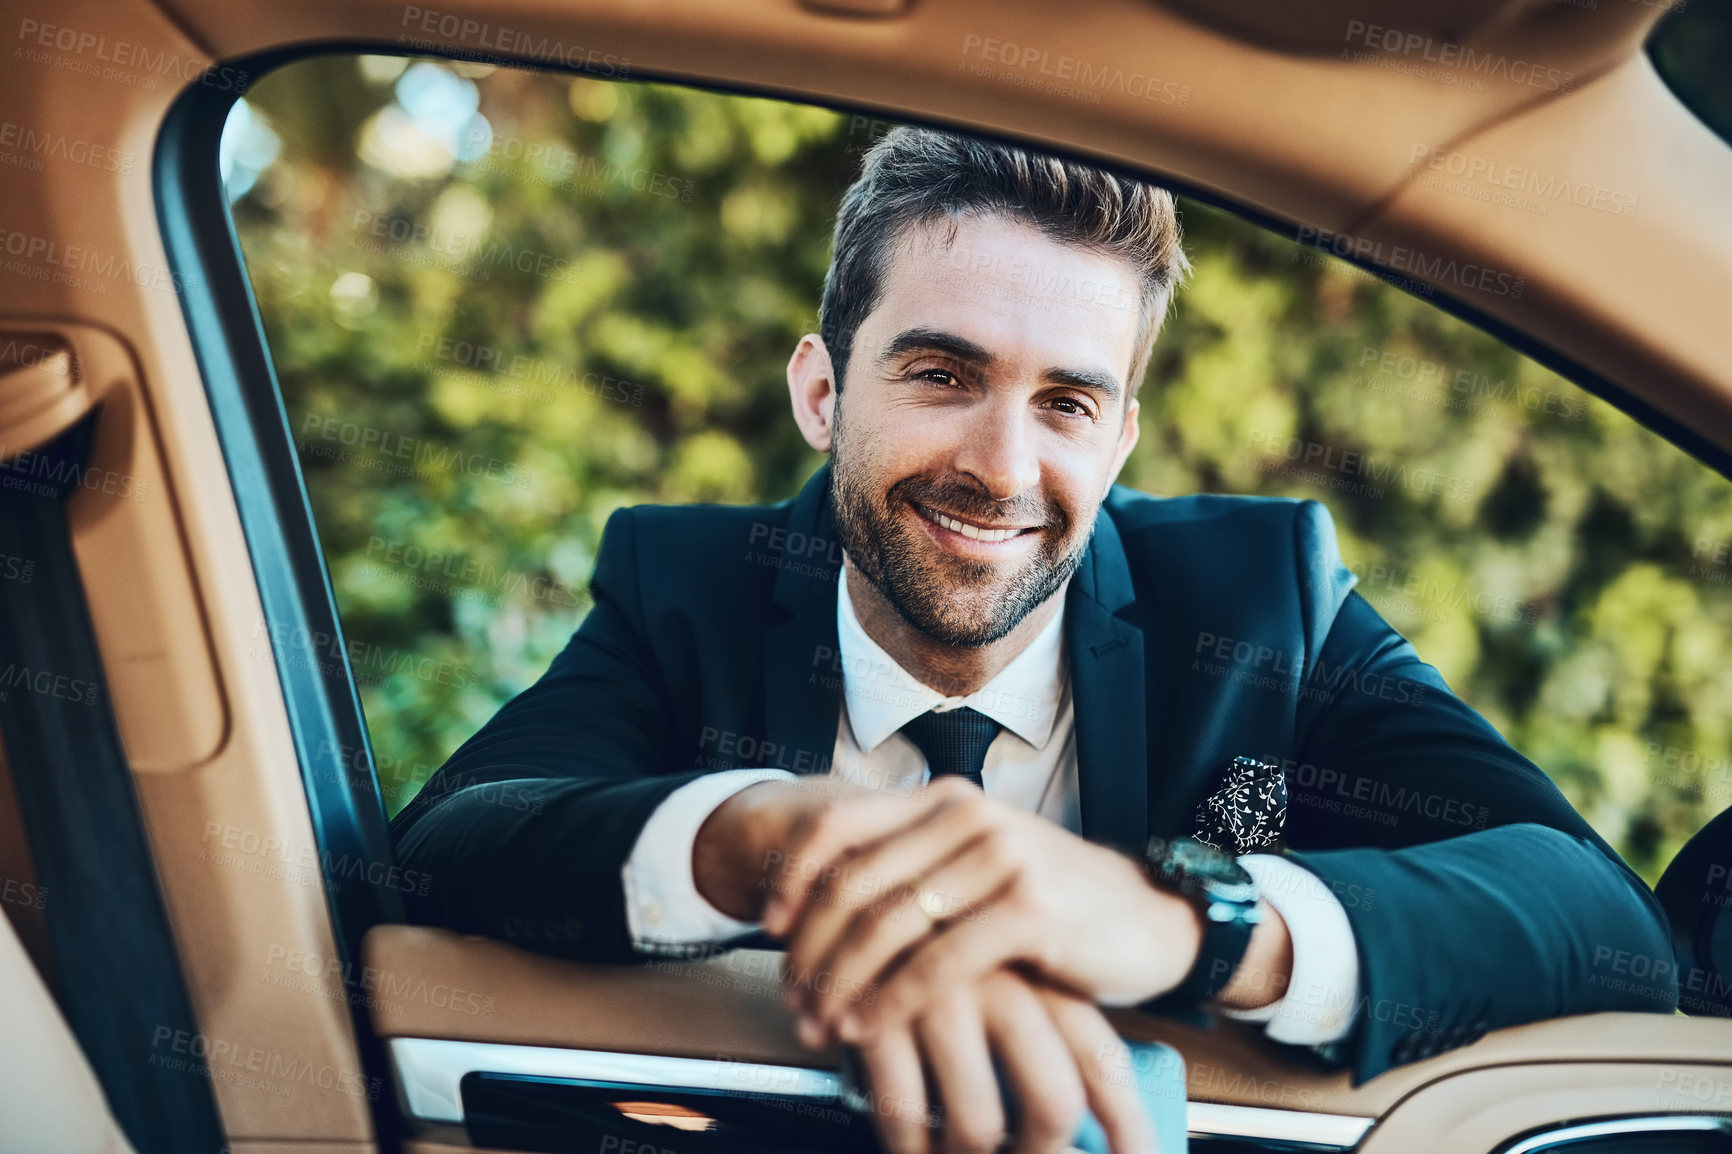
(915, 175)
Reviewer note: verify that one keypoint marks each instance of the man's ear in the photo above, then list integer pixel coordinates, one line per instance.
(1127, 441)
(812, 390)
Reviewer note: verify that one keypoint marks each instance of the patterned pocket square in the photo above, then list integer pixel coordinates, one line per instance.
(1249, 810)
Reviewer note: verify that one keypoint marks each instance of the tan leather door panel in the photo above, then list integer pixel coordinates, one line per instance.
(431, 983)
(1484, 1109)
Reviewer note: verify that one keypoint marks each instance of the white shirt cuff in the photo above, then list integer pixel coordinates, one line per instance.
(1323, 989)
(663, 908)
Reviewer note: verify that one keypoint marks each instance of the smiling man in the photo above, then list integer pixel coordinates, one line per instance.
(947, 722)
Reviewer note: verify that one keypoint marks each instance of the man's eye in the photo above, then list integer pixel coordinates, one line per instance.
(939, 376)
(1069, 406)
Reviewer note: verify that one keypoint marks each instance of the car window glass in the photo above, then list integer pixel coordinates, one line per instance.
(503, 303)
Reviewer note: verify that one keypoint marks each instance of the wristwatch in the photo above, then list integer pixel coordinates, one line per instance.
(1224, 896)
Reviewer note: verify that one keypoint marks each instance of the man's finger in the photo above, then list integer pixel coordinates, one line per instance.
(841, 828)
(843, 908)
(882, 871)
(1109, 1081)
(952, 1041)
(865, 952)
(897, 1087)
(869, 946)
(1037, 1064)
(960, 887)
(964, 954)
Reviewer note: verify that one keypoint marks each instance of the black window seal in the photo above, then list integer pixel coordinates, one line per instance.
(295, 593)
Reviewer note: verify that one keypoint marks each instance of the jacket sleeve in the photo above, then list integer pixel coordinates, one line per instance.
(1479, 898)
(522, 834)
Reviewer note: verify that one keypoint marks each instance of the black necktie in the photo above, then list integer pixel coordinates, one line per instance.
(954, 741)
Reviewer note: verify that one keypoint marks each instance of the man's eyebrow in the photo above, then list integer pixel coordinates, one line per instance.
(963, 349)
(938, 341)
(1104, 383)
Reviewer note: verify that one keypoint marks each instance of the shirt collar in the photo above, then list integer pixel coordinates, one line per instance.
(882, 696)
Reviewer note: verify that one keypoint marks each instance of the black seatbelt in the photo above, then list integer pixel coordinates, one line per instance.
(118, 973)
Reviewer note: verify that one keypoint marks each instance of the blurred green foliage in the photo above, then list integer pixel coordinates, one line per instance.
(482, 358)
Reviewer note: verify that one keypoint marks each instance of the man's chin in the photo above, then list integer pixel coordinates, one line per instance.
(965, 619)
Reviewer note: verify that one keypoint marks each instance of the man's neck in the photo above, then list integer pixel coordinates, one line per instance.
(953, 670)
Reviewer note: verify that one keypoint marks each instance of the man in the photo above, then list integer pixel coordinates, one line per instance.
(743, 730)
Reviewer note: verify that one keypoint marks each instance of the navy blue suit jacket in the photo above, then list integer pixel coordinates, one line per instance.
(1198, 628)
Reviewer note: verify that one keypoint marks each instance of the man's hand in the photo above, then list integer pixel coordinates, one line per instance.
(915, 908)
(1003, 886)
(1056, 1051)
(744, 851)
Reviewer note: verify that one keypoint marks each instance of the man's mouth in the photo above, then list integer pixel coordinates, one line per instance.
(986, 534)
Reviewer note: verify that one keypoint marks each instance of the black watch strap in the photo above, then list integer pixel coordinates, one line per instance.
(1225, 898)
(1223, 948)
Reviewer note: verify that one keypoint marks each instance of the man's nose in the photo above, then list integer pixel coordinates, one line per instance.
(998, 449)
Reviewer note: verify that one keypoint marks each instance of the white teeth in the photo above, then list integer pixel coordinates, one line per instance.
(974, 532)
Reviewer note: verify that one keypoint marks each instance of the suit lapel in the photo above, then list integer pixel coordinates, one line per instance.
(802, 669)
(1108, 690)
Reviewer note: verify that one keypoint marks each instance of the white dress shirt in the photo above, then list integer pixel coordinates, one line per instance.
(1031, 764)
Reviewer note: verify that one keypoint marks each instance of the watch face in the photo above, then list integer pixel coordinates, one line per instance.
(1218, 874)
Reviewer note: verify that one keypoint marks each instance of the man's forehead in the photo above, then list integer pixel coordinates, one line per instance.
(997, 280)
(998, 247)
